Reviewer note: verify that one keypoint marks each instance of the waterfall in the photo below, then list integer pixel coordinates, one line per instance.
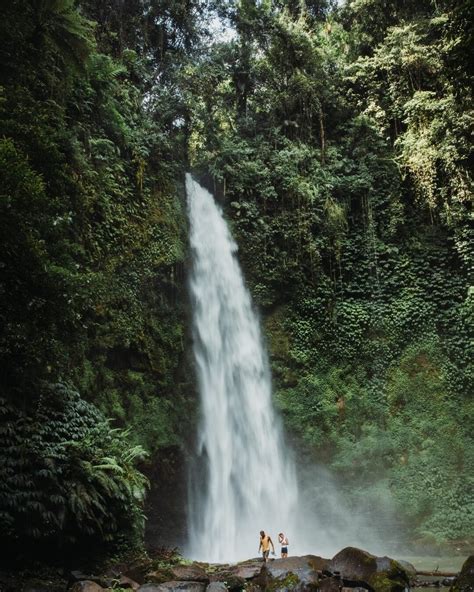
(243, 478)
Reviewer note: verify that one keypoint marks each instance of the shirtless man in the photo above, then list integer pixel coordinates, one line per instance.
(265, 544)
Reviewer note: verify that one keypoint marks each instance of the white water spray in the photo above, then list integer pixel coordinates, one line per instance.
(244, 478)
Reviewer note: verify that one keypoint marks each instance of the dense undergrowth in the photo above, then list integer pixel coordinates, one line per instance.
(92, 290)
(339, 144)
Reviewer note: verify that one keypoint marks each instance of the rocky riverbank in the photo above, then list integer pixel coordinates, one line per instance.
(350, 570)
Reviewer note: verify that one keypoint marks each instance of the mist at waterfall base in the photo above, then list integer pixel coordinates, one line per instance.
(244, 477)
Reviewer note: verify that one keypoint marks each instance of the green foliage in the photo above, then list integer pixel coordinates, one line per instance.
(340, 144)
(93, 243)
(341, 148)
(66, 475)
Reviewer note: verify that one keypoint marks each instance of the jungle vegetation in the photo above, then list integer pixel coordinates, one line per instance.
(339, 142)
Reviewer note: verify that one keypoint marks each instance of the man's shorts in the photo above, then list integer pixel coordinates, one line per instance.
(265, 554)
(284, 550)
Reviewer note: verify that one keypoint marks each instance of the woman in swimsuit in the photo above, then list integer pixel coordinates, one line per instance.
(284, 544)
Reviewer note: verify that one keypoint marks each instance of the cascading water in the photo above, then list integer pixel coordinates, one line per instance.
(243, 479)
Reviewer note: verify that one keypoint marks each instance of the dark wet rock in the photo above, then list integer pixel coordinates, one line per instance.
(299, 574)
(159, 576)
(189, 573)
(408, 567)
(234, 576)
(217, 587)
(383, 574)
(355, 585)
(137, 570)
(248, 571)
(330, 585)
(79, 576)
(465, 580)
(253, 587)
(173, 586)
(36, 588)
(128, 583)
(234, 582)
(354, 564)
(86, 586)
(305, 567)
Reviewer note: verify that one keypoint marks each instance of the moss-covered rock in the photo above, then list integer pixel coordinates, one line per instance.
(159, 576)
(465, 581)
(383, 574)
(296, 574)
(290, 582)
(189, 573)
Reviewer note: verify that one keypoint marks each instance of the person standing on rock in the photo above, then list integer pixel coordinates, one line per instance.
(284, 544)
(265, 544)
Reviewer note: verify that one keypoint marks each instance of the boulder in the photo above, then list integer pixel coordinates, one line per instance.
(383, 574)
(295, 573)
(173, 586)
(465, 580)
(330, 585)
(253, 587)
(159, 576)
(86, 586)
(234, 582)
(408, 567)
(128, 583)
(79, 576)
(305, 567)
(216, 587)
(189, 573)
(248, 571)
(231, 576)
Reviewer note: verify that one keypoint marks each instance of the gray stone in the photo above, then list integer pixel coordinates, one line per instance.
(298, 574)
(216, 587)
(408, 567)
(128, 583)
(86, 586)
(331, 585)
(79, 576)
(189, 573)
(306, 568)
(174, 586)
(465, 580)
(377, 573)
(229, 576)
(247, 572)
